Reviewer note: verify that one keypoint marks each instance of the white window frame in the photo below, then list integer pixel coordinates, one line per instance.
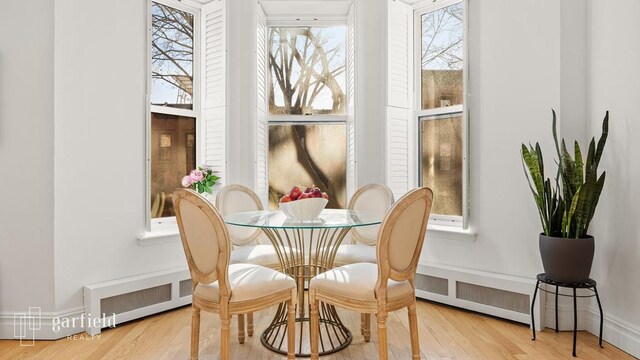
(419, 10)
(302, 119)
(307, 119)
(169, 223)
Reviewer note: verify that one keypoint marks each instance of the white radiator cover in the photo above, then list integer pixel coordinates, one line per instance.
(504, 296)
(138, 296)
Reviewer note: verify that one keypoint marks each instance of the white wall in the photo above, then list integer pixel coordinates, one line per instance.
(100, 75)
(241, 101)
(370, 73)
(615, 85)
(514, 70)
(26, 157)
(574, 70)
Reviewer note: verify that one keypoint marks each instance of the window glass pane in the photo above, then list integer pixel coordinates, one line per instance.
(442, 57)
(441, 162)
(303, 155)
(171, 57)
(307, 70)
(173, 155)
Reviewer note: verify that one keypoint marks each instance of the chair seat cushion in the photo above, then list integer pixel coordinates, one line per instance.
(247, 281)
(262, 254)
(355, 253)
(357, 281)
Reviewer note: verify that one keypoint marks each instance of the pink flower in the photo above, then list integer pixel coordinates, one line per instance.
(196, 175)
(186, 181)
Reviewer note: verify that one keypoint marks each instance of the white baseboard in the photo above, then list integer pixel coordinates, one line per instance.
(618, 332)
(565, 316)
(41, 325)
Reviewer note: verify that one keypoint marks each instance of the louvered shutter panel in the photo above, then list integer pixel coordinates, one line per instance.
(351, 101)
(214, 55)
(262, 127)
(397, 150)
(398, 98)
(398, 56)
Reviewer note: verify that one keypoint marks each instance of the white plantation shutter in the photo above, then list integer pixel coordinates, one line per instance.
(398, 98)
(398, 54)
(214, 55)
(397, 150)
(351, 101)
(262, 128)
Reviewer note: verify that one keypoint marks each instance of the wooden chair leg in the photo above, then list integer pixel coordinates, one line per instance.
(195, 332)
(291, 330)
(366, 327)
(241, 328)
(250, 324)
(225, 321)
(413, 331)
(315, 325)
(382, 336)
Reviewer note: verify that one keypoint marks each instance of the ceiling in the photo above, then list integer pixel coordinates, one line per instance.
(306, 8)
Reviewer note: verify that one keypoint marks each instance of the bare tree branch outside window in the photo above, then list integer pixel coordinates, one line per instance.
(442, 43)
(307, 67)
(171, 56)
(442, 57)
(307, 77)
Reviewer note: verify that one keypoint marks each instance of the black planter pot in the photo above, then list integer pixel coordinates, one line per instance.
(567, 260)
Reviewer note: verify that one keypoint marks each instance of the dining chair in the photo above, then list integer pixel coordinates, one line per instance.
(362, 247)
(247, 248)
(220, 287)
(385, 286)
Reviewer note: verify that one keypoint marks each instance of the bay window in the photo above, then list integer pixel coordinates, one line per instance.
(441, 108)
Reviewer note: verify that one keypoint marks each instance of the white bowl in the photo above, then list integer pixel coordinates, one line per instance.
(305, 209)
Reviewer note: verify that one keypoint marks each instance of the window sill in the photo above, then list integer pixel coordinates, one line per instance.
(450, 233)
(160, 235)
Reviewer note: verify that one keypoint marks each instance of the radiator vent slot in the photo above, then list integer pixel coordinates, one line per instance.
(134, 300)
(185, 288)
(432, 284)
(502, 299)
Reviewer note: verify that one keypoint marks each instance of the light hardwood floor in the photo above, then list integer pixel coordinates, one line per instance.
(445, 333)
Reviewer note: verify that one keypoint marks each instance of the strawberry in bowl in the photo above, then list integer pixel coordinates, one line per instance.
(303, 205)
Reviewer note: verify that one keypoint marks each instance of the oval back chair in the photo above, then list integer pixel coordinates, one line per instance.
(238, 198)
(218, 286)
(385, 286)
(372, 197)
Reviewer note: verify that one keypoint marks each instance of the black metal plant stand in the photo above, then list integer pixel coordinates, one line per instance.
(589, 284)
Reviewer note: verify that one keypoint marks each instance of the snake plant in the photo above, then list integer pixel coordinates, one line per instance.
(567, 204)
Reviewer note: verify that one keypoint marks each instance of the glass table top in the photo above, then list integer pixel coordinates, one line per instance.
(329, 218)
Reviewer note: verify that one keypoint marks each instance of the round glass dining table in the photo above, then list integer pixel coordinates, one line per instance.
(305, 249)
